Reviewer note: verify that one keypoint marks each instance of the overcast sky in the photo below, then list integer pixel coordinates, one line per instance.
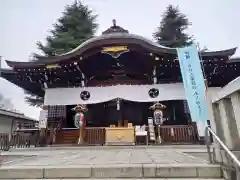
(215, 24)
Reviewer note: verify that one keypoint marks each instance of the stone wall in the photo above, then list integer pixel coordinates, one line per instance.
(227, 119)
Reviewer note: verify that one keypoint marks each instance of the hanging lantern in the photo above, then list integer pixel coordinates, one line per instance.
(77, 122)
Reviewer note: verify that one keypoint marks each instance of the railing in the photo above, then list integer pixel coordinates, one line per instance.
(4, 142)
(234, 165)
(26, 125)
(95, 136)
(18, 140)
(179, 133)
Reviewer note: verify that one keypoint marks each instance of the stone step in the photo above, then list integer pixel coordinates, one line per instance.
(140, 179)
(113, 171)
(183, 148)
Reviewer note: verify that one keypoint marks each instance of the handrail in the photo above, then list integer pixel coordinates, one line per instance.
(234, 158)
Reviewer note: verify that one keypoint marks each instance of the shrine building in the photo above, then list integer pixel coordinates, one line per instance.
(118, 76)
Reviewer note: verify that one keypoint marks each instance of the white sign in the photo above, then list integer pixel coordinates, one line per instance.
(43, 119)
(151, 129)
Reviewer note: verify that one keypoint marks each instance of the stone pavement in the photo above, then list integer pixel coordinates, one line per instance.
(98, 156)
(105, 162)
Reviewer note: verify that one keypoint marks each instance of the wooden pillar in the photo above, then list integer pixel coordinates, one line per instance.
(80, 116)
(43, 131)
(81, 131)
(51, 133)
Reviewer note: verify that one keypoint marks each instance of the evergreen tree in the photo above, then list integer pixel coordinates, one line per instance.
(77, 24)
(171, 33)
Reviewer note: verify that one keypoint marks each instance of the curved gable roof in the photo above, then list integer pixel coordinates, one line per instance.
(112, 38)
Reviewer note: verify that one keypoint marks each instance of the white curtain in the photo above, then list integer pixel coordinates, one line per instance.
(137, 93)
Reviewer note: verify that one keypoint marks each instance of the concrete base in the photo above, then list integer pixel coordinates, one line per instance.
(114, 171)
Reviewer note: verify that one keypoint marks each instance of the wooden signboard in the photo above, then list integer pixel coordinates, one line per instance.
(43, 119)
(151, 129)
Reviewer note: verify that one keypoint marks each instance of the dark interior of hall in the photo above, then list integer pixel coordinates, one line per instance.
(137, 113)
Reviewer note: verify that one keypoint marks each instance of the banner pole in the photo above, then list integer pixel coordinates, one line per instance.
(207, 93)
(201, 62)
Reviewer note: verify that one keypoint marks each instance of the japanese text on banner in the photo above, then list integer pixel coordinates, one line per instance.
(194, 84)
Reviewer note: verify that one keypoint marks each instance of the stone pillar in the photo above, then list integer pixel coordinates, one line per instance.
(229, 124)
(235, 98)
(225, 124)
(213, 122)
(217, 118)
(210, 108)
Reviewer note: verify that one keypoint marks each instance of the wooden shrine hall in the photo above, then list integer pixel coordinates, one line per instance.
(118, 76)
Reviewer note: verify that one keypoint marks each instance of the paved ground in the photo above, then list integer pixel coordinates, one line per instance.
(98, 156)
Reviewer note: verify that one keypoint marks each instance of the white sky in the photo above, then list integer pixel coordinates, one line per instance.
(215, 24)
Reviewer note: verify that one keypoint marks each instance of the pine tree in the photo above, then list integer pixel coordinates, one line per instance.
(77, 24)
(171, 33)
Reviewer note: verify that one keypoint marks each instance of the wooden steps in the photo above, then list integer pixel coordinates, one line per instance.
(67, 137)
(92, 136)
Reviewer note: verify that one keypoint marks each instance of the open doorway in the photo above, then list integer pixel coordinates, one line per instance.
(137, 113)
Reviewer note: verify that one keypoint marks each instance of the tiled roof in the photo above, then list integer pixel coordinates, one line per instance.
(15, 115)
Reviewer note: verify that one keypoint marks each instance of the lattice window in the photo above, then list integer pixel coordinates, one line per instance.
(57, 111)
(185, 106)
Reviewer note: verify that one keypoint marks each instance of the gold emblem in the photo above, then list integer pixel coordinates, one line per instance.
(52, 66)
(115, 51)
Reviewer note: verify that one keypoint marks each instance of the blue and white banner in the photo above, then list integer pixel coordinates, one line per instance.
(194, 85)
